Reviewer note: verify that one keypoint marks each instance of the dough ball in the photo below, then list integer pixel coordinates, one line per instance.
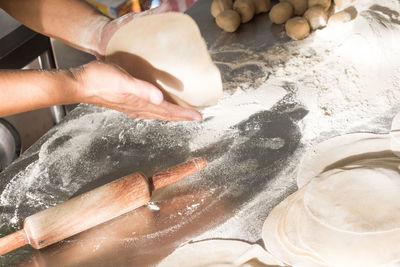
(343, 3)
(245, 8)
(281, 12)
(317, 17)
(326, 4)
(228, 20)
(339, 17)
(218, 6)
(300, 6)
(262, 5)
(297, 28)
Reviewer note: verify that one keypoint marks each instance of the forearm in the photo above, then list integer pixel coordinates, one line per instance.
(72, 21)
(24, 90)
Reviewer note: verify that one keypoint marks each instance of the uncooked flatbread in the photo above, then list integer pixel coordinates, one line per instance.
(340, 151)
(347, 209)
(168, 51)
(219, 253)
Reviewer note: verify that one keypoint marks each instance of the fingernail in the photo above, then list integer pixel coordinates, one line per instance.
(156, 97)
(198, 117)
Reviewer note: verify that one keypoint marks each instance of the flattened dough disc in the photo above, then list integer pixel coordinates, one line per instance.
(219, 253)
(168, 51)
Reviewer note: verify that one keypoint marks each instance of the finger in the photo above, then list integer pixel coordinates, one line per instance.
(144, 90)
(168, 112)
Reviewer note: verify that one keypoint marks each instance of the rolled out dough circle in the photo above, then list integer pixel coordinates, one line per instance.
(219, 253)
(363, 197)
(168, 51)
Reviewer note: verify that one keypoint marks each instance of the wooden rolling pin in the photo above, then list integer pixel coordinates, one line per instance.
(94, 207)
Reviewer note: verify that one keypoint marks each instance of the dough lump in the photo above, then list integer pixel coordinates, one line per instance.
(219, 6)
(228, 20)
(343, 3)
(317, 17)
(297, 28)
(281, 12)
(245, 8)
(300, 6)
(325, 4)
(340, 17)
(262, 6)
(168, 51)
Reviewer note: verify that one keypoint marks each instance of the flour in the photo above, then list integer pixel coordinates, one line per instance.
(278, 101)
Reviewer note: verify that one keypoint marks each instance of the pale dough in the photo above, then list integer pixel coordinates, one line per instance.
(300, 6)
(262, 6)
(168, 51)
(317, 17)
(218, 6)
(228, 20)
(297, 28)
(281, 12)
(245, 8)
(325, 4)
(347, 210)
(219, 253)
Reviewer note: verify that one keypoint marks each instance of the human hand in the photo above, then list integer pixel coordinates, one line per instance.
(110, 86)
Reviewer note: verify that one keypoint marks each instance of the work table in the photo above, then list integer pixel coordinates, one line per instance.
(251, 167)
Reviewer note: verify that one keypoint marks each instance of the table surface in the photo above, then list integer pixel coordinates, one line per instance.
(8, 24)
(250, 168)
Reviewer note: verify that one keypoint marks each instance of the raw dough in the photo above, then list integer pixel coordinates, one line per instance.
(317, 17)
(219, 253)
(355, 209)
(297, 28)
(343, 3)
(228, 20)
(339, 17)
(168, 51)
(349, 194)
(245, 8)
(281, 12)
(340, 151)
(300, 6)
(262, 6)
(325, 4)
(219, 6)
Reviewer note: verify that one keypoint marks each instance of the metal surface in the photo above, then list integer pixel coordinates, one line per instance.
(19, 46)
(238, 183)
(10, 143)
(47, 61)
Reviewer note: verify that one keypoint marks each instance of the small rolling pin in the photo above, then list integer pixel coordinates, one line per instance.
(94, 207)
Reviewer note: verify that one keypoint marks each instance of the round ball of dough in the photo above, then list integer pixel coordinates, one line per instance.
(325, 4)
(228, 20)
(297, 28)
(343, 3)
(281, 12)
(218, 6)
(300, 6)
(317, 17)
(340, 17)
(262, 5)
(245, 8)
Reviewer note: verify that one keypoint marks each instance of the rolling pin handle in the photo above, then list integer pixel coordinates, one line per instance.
(13, 241)
(178, 172)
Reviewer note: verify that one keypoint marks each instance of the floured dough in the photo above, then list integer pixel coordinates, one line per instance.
(168, 51)
(297, 28)
(340, 151)
(347, 210)
(220, 253)
(317, 17)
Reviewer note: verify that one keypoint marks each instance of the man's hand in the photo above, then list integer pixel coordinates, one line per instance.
(109, 86)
